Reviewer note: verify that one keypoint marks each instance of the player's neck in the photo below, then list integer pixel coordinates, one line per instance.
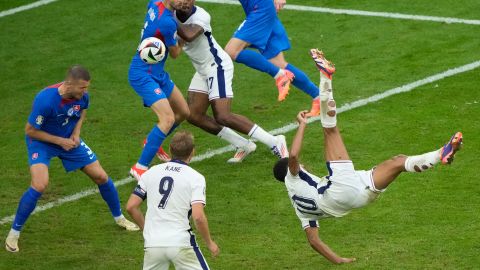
(63, 92)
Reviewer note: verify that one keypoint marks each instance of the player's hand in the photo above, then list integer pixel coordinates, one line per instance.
(302, 117)
(67, 144)
(347, 260)
(279, 4)
(213, 247)
(76, 139)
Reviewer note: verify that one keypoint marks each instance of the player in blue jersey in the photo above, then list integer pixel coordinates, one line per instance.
(263, 31)
(53, 130)
(153, 83)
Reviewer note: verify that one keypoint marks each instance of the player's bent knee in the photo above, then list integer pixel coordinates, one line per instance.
(39, 186)
(399, 160)
(223, 119)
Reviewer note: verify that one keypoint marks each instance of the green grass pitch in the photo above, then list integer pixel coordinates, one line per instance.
(423, 221)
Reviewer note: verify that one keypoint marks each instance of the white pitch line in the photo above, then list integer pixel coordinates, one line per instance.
(281, 130)
(25, 7)
(362, 13)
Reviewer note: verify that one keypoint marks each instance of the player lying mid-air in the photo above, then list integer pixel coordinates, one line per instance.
(344, 188)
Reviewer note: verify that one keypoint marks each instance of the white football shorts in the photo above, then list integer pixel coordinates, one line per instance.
(350, 189)
(183, 258)
(218, 83)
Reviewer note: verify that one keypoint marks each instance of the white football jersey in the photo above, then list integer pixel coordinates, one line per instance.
(306, 193)
(170, 189)
(204, 51)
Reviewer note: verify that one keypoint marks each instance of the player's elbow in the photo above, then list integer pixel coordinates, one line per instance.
(29, 130)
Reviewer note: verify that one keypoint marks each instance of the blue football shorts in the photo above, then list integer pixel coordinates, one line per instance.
(76, 158)
(264, 31)
(151, 88)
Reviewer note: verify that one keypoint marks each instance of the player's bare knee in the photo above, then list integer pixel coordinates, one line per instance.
(223, 119)
(399, 160)
(182, 115)
(230, 50)
(40, 186)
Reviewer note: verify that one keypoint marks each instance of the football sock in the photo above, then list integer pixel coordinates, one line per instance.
(232, 137)
(422, 162)
(154, 140)
(326, 88)
(302, 82)
(257, 61)
(27, 204)
(328, 107)
(262, 136)
(172, 129)
(110, 196)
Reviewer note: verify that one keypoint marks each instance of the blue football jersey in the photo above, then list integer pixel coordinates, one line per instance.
(160, 23)
(55, 115)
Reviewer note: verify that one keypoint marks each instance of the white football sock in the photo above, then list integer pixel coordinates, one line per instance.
(140, 166)
(325, 88)
(328, 108)
(262, 136)
(232, 137)
(14, 232)
(422, 162)
(119, 217)
(280, 72)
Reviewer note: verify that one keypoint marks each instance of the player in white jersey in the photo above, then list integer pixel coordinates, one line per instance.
(174, 191)
(212, 85)
(344, 188)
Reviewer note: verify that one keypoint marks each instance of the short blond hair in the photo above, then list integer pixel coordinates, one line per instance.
(182, 145)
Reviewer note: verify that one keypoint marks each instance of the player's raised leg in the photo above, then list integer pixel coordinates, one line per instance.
(386, 172)
(109, 194)
(255, 32)
(28, 202)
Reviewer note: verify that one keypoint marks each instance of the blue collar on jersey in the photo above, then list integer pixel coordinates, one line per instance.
(179, 161)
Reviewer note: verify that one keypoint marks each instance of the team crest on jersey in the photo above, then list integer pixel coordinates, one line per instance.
(158, 91)
(34, 156)
(39, 120)
(76, 108)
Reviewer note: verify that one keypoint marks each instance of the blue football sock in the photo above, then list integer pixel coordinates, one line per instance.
(302, 82)
(110, 196)
(154, 140)
(175, 125)
(25, 208)
(257, 61)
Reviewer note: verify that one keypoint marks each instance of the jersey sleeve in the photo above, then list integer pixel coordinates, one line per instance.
(198, 191)
(168, 31)
(307, 221)
(203, 20)
(40, 111)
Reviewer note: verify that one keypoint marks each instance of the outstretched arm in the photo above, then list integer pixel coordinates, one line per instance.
(323, 249)
(296, 147)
